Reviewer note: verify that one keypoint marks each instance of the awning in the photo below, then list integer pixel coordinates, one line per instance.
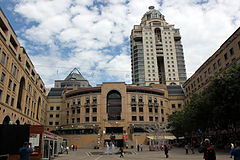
(161, 137)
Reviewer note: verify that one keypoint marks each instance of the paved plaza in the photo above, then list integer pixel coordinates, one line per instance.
(174, 154)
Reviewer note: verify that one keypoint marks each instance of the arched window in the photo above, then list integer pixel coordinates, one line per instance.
(158, 35)
(114, 105)
(20, 93)
(6, 120)
(39, 103)
(17, 122)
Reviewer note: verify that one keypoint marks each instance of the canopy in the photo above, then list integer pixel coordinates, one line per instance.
(162, 137)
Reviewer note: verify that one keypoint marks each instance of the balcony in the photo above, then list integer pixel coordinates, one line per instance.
(133, 103)
(94, 103)
(140, 103)
(87, 104)
(150, 104)
(156, 104)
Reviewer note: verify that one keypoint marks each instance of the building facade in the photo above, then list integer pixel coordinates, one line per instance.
(89, 116)
(22, 92)
(222, 59)
(156, 52)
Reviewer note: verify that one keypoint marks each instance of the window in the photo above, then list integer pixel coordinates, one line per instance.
(162, 111)
(226, 56)
(140, 109)
(134, 109)
(94, 119)
(14, 70)
(173, 106)
(232, 51)
(134, 118)
(73, 120)
(78, 120)
(214, 66)
(12, 102)
(14, 87)
(56, 123)
(57, 115)
(51, 116)
(50, 123)
(67, 121)
(67, 113)
(151, 118)
(73, 111)
(150, 110)
(156, 110)
(209, 70)
(141, 118)
(179, 105)
(239, 44)
(3, 58)
(162, 119)
(219, 62)
(7, 98)
(9, 83)
(58, 108)
(51, 108)
(78, 110)
(87, 110)
(2, 77)
(86, 119)
(156, 118)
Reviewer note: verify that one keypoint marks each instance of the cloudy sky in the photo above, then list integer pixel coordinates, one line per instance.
(93, 35)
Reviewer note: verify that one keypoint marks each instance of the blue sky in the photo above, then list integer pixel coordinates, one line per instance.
(93, 36)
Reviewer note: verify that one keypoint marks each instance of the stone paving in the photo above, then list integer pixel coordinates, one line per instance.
(174, 154)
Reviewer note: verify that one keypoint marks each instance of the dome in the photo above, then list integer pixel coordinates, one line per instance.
(152, 13)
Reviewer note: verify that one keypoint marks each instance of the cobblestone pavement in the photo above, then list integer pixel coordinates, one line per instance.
(174, 154)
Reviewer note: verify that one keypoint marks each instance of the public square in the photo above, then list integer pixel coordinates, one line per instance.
(174, 154)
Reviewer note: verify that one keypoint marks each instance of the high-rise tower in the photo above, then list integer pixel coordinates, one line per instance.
(156, 52)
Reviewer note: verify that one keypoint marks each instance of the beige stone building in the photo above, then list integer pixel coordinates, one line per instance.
(88, 115)
(22, 92)
(156, 52)
(227, 54)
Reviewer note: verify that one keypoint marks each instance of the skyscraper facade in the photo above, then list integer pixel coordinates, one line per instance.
(156, 52)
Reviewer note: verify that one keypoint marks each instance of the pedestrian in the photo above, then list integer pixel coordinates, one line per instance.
(236, 151)
(76, 147)
(232, 148)
(186, 148)
(67, 148)
(141, 147)
(192, 149)
(25, 151)
(166, 151)
(121, 152)
(138, 147)
(73, 147)
(208, 150)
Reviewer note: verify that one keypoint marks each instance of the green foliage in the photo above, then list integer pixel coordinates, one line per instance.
(217, 107)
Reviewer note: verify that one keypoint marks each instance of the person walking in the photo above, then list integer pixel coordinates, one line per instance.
(236, 151)
(121, 152)
(67, 148)
(141, 147)
(166, 150)
(138, 147)
(186, 148)
(25, 151)
(208, 150)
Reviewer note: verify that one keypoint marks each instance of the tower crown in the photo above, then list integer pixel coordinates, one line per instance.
(152, 13)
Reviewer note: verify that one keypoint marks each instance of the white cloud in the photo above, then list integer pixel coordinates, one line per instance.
(80, 34)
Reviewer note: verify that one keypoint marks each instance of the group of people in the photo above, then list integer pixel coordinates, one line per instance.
(73, 147)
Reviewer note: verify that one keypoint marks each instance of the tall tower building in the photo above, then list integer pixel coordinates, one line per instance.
(156, 52)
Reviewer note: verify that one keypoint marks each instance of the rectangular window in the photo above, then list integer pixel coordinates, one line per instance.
(94, 110)
(3, 58)
(239, 44)
(57, 115)
(78, 110)
(219, 62)
(94, 119)
(58, 108)
(151, 118)
(134, 109)
(56, 123)
(14, 71)
(12, 102)
(14, 87)
(73, 120)
(140, 109)
(78, 120)
(173, 106)
(231, 51)
(7, 98)
(134, 118)
(2, 77)
(162, 111)
(156, 110)
(162, 119)
(51, 116)
(156, 118)
(150, 110)
(214, 66)
(73, 111)
(179, 105)
(51, 108)
(87, 110)
(86, 119)
(226, 56)
(50, 123)
(9, 83)
(141, 118)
